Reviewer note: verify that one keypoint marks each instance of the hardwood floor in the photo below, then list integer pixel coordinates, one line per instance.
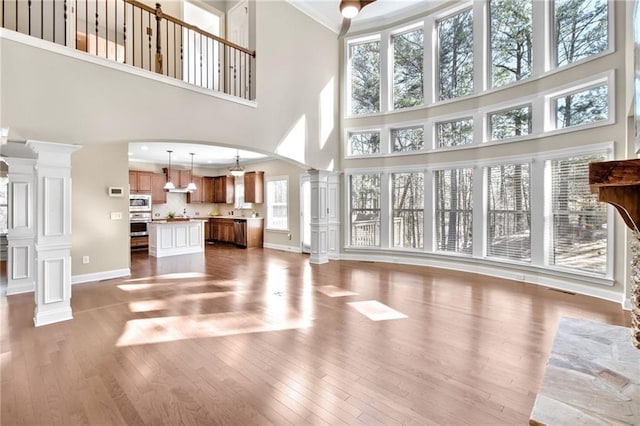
(246, 337)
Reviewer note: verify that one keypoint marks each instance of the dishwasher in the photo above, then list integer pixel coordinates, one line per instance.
(240, 232)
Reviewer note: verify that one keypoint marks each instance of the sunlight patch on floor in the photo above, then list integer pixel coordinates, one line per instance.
(333, 291)
(174, 276)
(168, 329)
(376, 311)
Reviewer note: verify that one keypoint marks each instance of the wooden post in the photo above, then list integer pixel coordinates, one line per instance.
(158, 39)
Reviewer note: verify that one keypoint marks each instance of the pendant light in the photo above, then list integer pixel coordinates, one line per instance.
(237, 170)
(192, 186)
(169, 185)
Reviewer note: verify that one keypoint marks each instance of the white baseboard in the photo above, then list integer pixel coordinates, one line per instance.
(99, 276)
(282, 247)
(626, 305)
(558, 283)
(20, 289)
(51, 317)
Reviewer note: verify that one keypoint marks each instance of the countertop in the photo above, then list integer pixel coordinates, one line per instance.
(188, 219)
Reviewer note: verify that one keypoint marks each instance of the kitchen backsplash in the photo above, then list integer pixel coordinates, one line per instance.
(177, 202)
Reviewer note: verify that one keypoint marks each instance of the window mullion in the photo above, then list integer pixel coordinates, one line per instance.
(429, 219)
(429, 60)
(386, 72)
(386, 214)
(479, 211)
(538, 226)
(480, 46)
(543, 50)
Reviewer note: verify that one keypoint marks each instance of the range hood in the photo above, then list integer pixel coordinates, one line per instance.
(180, 190)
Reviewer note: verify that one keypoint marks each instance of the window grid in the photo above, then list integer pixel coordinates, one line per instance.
(365, 209)
(454, 133)
(278, 204)
(407, 139)
(580, 30)
(454, 210)
(407, 190)
(408, 62)
(582, 107)
(364, 143)
(578, 221)
(508, 212)
(510, 123)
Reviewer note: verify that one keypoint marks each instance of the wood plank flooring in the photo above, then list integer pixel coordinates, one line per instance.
(243, 337)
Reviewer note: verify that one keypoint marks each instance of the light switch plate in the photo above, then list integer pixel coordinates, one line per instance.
(116, 215)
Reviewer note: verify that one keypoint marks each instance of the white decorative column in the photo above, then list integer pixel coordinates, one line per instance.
(53, 237)
(319, 222)
(333, 215)
(21, 235)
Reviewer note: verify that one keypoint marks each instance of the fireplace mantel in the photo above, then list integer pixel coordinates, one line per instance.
(618, 183)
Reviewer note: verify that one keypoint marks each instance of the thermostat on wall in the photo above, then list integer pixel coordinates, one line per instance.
(116, 191)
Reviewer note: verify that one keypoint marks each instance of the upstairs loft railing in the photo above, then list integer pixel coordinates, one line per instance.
(131, 32)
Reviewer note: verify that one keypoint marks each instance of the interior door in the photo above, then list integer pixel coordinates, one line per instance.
(305, 213)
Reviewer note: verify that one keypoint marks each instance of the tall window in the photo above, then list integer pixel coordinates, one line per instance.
(586, 106)
(407, 191)
(579, 221)
(407, 139)
(364, 143)
(365, 77)
(509, 212)
(510, 123)
(365, 209)
(581, 29)
(455, 64)
(278, 203)
(454, 133)
(454, 210)
(511, 41)
(407, 68)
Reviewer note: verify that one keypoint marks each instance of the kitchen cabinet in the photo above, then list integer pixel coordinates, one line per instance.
(223, 189)
(254, 187)
(244, 232)
(158, 193)
(207, 190)
(179, 178)
(195, 197)
(139, 181)
(222, 230)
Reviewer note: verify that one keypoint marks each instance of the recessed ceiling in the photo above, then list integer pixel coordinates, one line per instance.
(205, 155)
(381, 12)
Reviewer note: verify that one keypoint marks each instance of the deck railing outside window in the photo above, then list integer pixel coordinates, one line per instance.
(133, 33)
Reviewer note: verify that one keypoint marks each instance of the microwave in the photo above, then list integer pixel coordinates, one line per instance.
(139, 202)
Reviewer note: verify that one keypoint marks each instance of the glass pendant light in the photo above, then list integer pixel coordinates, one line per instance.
(237, 170)
(169, 185)
(192, 186)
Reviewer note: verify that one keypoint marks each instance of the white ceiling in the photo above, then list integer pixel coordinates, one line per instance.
(381, 12)
(205, 155)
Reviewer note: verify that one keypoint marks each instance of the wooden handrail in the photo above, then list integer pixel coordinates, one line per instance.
(190, 27)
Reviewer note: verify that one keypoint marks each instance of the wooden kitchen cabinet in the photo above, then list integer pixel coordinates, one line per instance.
(139, 181)
(195, 197)
(254, 187)
(207, 189)
(223, 189)
(179, 178)
(243, 232)
(158, 193)
(222, 230)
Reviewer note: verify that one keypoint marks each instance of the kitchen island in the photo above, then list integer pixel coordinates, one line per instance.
(174, 237)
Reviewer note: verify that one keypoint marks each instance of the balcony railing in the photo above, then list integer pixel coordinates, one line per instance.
(133, 33)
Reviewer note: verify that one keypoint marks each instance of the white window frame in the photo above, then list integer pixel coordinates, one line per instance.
(390, 76)
(552, 42)
(269, 204)
(347, 73)
(396, 128)
(489, 129)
